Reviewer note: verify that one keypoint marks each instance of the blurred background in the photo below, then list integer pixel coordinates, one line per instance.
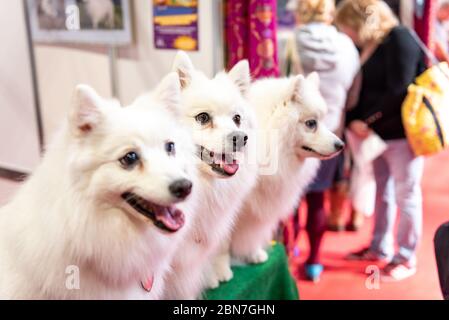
(124, 47)
(44, 57)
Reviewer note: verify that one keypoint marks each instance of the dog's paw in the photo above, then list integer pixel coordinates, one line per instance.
(259, 256)
(224, 273)
(212, 282)
(210, 279)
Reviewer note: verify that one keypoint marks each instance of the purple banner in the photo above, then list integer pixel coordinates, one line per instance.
(251, 34)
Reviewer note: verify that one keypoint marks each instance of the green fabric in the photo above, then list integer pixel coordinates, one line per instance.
(268, 281)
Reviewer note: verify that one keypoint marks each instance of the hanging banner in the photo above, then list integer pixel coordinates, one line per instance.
(175, 24)
(251, 33)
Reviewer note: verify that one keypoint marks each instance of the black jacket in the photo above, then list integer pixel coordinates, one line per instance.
(394, 65)
(441, 242)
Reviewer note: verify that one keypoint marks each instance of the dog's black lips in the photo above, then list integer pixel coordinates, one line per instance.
(308, 149)
(207, 157)
(152, 210)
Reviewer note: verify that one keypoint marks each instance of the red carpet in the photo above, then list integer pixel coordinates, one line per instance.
(347, 280)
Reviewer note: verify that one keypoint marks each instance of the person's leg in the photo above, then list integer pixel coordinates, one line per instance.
(385, 209)
(316, 224)
(338, 196)
(291, 235)
(296, 222)
(356, 220)
(407, 171)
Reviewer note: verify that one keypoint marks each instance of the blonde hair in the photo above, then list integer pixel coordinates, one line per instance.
(372, 20)
(309, 11)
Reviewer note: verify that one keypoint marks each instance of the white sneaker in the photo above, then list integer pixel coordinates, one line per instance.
(397, 272)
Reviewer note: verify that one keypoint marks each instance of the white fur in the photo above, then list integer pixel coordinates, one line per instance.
(221, 97)
(282, 107)
(70, 211)
(100, 11)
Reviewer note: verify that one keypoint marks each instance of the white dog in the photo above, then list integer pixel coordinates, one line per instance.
(103, 213)
(222, 123)
(290, 114)
(100, 11)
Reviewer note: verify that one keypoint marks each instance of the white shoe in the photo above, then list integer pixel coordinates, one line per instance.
(396, 272)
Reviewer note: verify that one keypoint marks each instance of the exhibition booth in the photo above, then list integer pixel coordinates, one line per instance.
(122, 49)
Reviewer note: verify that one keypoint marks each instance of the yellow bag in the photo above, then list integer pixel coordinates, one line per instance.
(425, 111)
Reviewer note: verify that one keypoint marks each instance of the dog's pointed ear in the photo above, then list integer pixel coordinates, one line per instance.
(241, 76)
(314, 78)
(296, 87)
(86, 111)
(169, 92)
(183, 66)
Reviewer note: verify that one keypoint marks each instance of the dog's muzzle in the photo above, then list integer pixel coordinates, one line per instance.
(168, 219)
(224, 164)
(238, 140)
(339, 146)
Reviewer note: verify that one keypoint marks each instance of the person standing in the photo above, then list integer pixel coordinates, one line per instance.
(321, 48)
(393, 60)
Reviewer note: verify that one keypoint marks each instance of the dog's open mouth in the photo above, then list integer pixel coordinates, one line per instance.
(166, 218)
(323, 156)
(224, 164)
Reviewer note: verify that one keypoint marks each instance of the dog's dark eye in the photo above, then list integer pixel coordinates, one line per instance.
(129, 160)
(237, 119)
(170, 148)
(311, 124)
(203, 118)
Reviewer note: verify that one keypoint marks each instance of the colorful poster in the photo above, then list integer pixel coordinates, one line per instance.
(176, 24)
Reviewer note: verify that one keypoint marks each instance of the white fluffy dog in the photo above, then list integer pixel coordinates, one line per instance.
(103, 213)
(222, 123)
(289, 114)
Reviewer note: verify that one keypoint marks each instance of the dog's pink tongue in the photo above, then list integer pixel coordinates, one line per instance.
(173, 219)
(231, 168)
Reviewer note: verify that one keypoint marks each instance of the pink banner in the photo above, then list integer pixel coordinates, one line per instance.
(424, 25)
(251, 34)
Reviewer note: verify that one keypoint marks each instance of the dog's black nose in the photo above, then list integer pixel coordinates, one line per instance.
(238, 139)
(339, 145)
(180, 189)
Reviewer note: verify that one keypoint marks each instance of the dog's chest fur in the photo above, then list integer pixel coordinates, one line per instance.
(276, 195)
(219, 204)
